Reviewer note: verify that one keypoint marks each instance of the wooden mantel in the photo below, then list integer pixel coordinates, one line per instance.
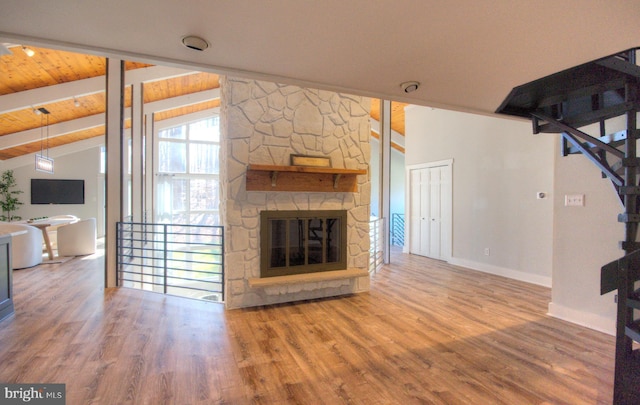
(302, 178)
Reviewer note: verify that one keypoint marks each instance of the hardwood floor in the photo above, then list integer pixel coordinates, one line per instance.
(426, 333)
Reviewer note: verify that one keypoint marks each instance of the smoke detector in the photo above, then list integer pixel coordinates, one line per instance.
(194, 42)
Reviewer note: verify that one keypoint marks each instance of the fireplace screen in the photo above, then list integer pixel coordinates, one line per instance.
(294, 242)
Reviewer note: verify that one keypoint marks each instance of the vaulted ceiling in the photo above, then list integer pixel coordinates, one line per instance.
(467, 54)
(70, 86)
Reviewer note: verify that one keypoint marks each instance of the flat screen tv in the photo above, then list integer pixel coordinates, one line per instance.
(56, 191)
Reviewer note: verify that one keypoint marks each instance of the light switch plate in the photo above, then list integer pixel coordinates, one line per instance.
(574, 200)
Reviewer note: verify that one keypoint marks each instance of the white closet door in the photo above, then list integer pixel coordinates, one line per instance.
(430, 200)
(435, 212)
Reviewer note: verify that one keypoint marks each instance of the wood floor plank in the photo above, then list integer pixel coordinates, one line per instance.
(426, 333)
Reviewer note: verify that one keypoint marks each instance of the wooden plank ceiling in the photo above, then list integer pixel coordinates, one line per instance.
(22, 73)
(397, 119)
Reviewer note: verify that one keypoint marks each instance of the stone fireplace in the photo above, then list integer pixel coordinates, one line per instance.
(264, 123)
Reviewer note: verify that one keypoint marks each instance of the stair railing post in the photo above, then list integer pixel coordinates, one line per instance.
(165, 258)
(630, 200)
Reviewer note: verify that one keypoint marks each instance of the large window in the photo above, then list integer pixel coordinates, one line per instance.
(188, 168)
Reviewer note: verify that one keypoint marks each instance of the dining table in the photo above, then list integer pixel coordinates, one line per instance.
(44, 224)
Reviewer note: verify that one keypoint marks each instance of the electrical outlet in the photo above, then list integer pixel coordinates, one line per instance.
(574, 200)
(487, 251)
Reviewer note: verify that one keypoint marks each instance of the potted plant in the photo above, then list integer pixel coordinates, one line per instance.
(9, 201)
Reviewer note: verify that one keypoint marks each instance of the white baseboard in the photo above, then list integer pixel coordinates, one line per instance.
(586, 319)
(502, 271)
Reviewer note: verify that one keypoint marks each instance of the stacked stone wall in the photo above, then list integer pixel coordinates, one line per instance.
(264, 123)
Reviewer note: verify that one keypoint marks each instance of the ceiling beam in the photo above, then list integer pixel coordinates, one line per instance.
(175, 121)
(32, 135)
(64, 91)
(63, 128)
(74, 147)
(182, 101)
(393, 144)
(396, 137)
(50, 94)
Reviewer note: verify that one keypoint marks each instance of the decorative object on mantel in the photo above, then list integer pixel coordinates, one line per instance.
(310, 161)
(302, 178)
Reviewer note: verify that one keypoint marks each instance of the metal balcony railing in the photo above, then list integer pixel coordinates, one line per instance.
(376, 244)
(397, 229)
(175, 259)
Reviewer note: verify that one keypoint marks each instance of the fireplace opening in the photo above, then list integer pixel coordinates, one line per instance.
(296, 242)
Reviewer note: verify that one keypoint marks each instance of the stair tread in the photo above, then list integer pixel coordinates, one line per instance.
(634, 299)
(633, 303)
(633, 331)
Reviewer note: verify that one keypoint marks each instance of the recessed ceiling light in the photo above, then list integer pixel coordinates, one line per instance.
(30, 52)
(409, 87)
(194, 42)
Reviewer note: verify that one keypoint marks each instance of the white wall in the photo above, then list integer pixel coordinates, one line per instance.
(585, 239)
(498, 167)
(397, 179)
(82, 165)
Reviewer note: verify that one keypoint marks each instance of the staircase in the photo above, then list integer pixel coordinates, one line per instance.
(592, 93)
(622, 274)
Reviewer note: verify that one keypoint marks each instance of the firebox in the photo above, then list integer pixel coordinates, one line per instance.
(295, 242)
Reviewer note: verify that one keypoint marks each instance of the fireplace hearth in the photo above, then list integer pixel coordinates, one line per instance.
(298, 242)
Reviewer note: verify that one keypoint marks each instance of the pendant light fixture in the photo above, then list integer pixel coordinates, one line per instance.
(44, 163)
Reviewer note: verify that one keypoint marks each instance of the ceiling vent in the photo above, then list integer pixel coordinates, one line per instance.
(194, 42)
